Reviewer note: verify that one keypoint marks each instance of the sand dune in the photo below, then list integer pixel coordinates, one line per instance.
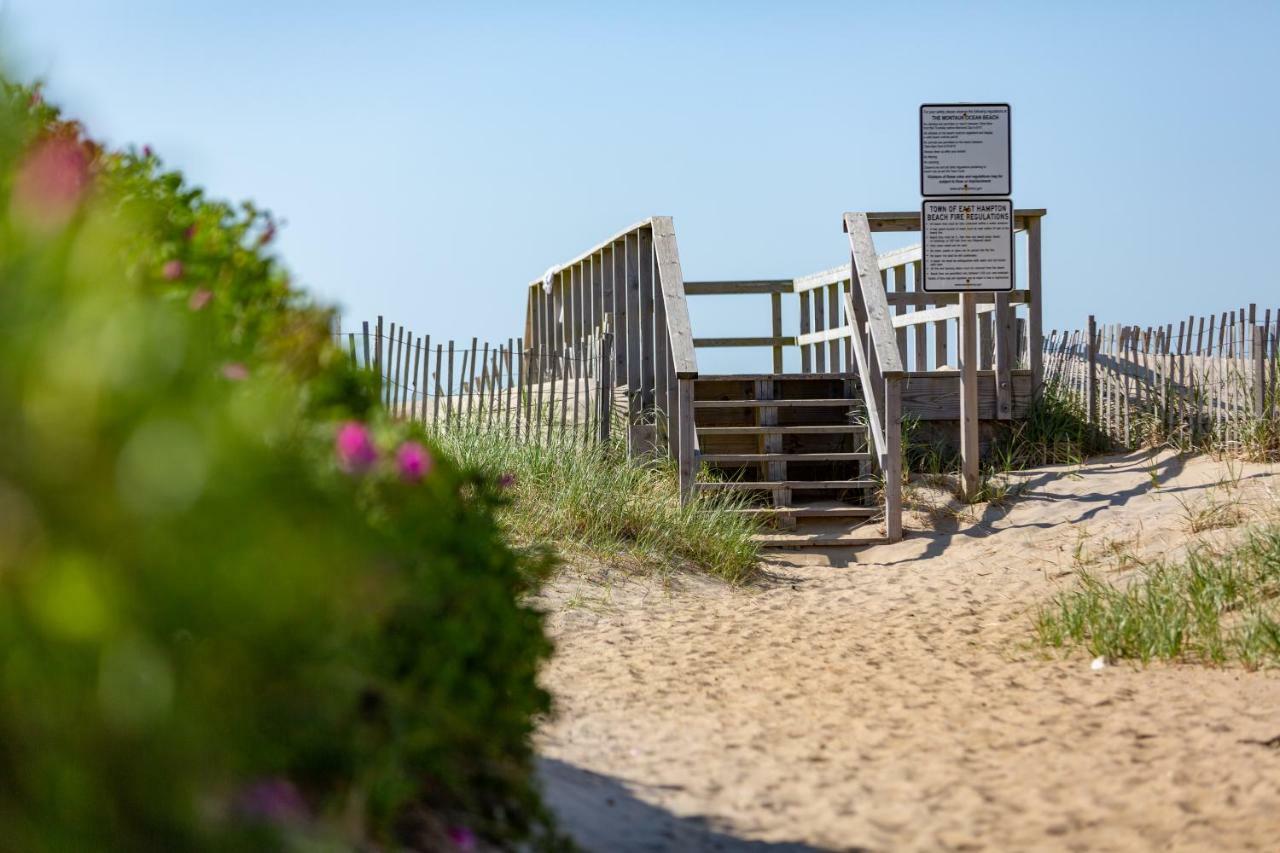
(895, 702)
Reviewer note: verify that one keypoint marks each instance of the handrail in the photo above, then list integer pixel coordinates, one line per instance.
(671, 280)
(866, 267)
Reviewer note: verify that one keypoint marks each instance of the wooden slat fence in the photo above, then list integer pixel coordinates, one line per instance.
(546, 396)
(1203, 381)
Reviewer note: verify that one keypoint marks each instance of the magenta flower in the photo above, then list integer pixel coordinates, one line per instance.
(172, 270)
(199, 298)
(50, 183)
(506, 481)
(414, 461)
(235, 371)
(462, 838)
(147, 152)
(272, 800)
(354, 447)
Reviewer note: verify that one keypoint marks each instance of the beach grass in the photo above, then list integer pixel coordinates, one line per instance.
(1216, 607)
(594, 500)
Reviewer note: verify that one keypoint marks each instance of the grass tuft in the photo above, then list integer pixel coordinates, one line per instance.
(1209, 608)
(595, 500)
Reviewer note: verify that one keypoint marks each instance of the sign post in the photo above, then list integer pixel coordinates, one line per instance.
(966, 224)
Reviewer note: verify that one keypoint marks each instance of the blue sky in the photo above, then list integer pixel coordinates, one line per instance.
(432, 158)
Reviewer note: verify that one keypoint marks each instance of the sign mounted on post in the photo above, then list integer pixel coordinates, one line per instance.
(968, 245)
(965, 150)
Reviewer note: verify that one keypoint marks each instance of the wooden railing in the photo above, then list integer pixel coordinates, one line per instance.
(630, 284)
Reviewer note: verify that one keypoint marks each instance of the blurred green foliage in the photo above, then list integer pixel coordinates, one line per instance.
(214, 635)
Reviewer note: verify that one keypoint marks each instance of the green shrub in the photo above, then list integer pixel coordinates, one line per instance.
(239, 607)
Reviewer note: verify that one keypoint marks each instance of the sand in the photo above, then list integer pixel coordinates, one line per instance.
(892, 699)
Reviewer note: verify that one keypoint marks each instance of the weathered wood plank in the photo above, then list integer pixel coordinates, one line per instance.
(723, 288)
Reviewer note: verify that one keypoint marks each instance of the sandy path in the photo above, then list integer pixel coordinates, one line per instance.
(894, 703)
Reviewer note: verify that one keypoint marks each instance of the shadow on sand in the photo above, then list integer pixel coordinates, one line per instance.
(1156, 471)
(603, 816)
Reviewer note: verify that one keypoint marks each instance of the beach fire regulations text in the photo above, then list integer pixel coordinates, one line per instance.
(968, 244)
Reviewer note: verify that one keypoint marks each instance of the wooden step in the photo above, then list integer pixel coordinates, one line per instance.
(818, 540)
(789, 484)
(833, 456)
(807, 429)
(811, 511)
(826, 403)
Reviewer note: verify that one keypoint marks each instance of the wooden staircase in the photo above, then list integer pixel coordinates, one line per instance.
(798, 445)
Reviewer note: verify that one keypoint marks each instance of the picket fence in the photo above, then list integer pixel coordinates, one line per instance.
(543, 395)
(1212, 381)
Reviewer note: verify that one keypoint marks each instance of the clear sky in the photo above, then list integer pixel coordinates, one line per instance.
(432, 158)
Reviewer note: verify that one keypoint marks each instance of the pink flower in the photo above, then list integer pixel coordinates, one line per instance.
(172, 270)
(199, 298)
(189, 232)
(506, 481)
(354, 448)
(50, 183)
(414, 461)
(147, 152)
(235, 371)
(273, 800)
(462, 838)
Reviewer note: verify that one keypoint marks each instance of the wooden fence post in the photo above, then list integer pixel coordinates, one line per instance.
(604, 400)
(1091, 372)
(686, 457)
(1259, 345)
(893, 457)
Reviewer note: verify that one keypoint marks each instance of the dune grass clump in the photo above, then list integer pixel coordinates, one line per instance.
(597, 500)
(1212, 607)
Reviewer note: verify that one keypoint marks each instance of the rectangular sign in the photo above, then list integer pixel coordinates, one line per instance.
(968, 244)
(965, 150)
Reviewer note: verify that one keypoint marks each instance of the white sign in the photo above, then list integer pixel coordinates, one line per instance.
(964, 150)
(968, 244)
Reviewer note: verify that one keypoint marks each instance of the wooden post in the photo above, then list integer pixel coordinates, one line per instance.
(687, 459)
(1091, 371)
(893, 458)
(775, 304)
(968, 397)
(1004, 348)
(806, 361)
(604, 401)
(1259, 371)
(1035, 307)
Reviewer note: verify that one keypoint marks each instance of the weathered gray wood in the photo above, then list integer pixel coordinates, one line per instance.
(775, 312)
(604, 401)
(819, 324)
(833, 322)
(449, 401)
(921, 342)
(377, 358)
(865, 265)
(806, 359)
(1035, 307)
(686, 458)
(1004, 354)
(648, 362)
(435, 404)
(1091, 372)
(968, 345)
(776, 342)
(671, 283)
(893, 458)
(589, 252)
(471, 379)
(522, 393)
(722, 288)
(366, 344)
(635, 415)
